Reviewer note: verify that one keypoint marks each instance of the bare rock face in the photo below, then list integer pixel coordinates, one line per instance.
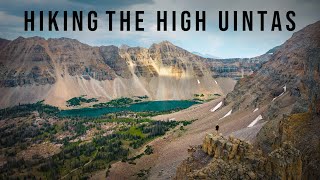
(284, 163)
(295, 65)
(45, 59)
(302, 130)
(73, 58)
(112, 58)
(3, 42)
(26, 62)
(236, 159)
(288, 87)
(55, 70)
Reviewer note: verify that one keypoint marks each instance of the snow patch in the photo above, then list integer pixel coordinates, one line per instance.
(255, 109)
(284, 90)
(215, 81)
(228, 114)
(198, 81)
(255, 121)
(278, 96)
(216, 107)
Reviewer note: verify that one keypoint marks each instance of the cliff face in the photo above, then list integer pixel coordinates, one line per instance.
(295, 65)
(26, 63)
(55, 70)
(283, 100)
(289, 87)
(221, 158)
(302, 130)
(42, 58)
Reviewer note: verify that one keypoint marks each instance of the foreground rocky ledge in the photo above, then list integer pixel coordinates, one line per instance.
(231, 158)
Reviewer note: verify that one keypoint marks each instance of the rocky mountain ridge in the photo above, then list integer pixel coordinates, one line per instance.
(284, 97)
(56, 70)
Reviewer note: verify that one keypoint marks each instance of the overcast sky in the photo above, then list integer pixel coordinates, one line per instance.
(212, 41)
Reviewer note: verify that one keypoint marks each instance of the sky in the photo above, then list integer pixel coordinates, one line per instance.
(223, 44)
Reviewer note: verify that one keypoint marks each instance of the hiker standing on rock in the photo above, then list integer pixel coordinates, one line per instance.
(217, 128)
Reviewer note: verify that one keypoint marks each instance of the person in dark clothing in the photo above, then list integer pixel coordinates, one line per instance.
(217, 127)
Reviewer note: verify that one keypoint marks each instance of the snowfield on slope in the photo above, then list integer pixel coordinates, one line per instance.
(284, 90)
(255, 121)
(228, 114)
(216, 107)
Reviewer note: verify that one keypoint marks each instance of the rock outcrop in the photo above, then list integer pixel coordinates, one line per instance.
(236, 159)
(302, 130)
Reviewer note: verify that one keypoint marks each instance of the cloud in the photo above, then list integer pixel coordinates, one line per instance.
(10, 25)
(113, 4)
(213, 41)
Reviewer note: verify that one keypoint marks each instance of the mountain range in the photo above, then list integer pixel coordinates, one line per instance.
(55, 70)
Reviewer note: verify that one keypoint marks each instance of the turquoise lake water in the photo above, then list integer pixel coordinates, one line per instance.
(155, 106)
